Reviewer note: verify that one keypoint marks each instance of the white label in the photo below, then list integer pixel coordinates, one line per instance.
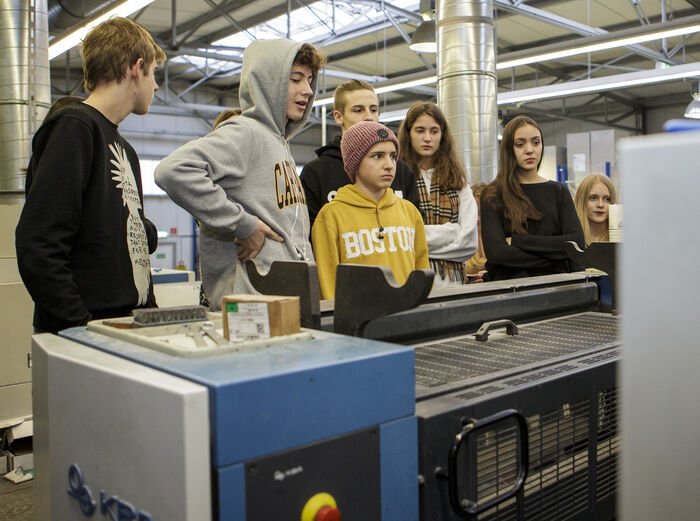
(247, 320)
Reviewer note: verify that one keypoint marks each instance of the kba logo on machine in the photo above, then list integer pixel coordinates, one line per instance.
(117, 509)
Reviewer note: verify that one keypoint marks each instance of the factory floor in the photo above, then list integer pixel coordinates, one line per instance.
(16, 501)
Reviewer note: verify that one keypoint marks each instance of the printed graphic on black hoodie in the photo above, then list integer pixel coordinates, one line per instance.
(136, 238)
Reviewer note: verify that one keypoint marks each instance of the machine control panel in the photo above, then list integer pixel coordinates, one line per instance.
(319, 481)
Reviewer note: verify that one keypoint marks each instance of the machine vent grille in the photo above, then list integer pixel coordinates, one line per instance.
(464, 357)
(608, 446)
(561, 445)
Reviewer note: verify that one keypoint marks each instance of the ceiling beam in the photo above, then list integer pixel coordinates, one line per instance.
(250, 22)
(221, 9)
(573, 26)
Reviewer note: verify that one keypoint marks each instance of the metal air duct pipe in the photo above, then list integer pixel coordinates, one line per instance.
(64, 14)
(25, 92)
(467, 82)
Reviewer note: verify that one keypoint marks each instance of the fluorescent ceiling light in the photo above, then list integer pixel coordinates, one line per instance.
(387, 88)
(581, 87)
(679, 27)
(394, 115)
(75, 37)
(631, 79)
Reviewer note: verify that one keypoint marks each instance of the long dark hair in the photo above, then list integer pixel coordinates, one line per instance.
(449, 170)
(505, 192)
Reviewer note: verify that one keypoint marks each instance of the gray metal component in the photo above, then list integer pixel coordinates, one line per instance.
(210, 330)
(138, 434)
(197, 337)
(440, 318)
(291, 278)
(365, 293)
(173, 315)
(659, 301)
(455, 363)
(571, 409)
(64, 14)
(467, 82)
(599, 255)
(25, 93)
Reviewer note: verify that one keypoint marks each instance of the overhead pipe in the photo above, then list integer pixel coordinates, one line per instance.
(467, 82)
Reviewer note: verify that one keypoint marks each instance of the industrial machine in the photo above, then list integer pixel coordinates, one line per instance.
(465, 422)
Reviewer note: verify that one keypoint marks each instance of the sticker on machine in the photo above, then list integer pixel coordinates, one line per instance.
(247, 321)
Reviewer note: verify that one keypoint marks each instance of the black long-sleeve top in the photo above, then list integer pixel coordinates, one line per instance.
(82, 240)
(540, 251)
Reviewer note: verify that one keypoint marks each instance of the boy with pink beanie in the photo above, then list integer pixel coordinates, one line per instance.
(367, 223)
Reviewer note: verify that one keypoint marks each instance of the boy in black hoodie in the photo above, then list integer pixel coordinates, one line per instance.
(353, 101)
(82, 240)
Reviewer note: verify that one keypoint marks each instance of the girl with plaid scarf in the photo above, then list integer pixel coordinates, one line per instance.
(446, 202)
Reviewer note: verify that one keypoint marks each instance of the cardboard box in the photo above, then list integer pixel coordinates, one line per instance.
(23, 457)
(254, 317)
(18, 446)
(19, 431)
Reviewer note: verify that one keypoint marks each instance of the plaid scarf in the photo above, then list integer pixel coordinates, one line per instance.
(441, 206)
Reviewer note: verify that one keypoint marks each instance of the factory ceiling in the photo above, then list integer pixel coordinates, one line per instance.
(368, 39)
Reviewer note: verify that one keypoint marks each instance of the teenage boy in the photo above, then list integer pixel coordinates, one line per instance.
(366, 223)
(82, 241)
(240, 181)
(353, 101)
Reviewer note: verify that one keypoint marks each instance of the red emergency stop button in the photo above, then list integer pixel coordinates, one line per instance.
(327, 513)
(321, 507)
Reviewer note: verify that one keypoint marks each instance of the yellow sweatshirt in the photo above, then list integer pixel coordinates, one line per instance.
(346, 231)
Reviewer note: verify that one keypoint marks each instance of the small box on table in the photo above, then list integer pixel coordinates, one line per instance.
(252, 317)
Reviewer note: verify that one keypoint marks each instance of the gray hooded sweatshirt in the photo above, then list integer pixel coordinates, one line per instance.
(243, 171)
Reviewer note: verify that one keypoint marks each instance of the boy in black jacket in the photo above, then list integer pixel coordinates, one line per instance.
(353, 101)
(83, 242)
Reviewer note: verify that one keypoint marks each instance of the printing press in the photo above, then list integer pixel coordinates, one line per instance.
(491, 401)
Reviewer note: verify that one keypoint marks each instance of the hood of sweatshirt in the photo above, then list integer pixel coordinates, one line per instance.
(351, 195)
(265, 82)
(331, 149)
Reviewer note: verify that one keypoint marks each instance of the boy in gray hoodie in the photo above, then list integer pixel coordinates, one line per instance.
(240, 181)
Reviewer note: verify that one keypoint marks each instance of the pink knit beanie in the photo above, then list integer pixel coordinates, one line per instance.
(358, 139)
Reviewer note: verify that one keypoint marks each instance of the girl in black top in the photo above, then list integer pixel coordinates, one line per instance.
(525, 218)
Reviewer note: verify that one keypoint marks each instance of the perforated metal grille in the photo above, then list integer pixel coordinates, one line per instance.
(460, 358)
(558, 484)
(608, 446)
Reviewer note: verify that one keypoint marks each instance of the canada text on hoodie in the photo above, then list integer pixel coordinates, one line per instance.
(243, 171)
(354, 229)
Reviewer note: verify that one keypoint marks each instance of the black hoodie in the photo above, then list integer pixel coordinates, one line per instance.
(322, 177)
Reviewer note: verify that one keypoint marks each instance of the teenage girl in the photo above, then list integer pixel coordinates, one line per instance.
(446, 202)
(525, 218)
(593, 197)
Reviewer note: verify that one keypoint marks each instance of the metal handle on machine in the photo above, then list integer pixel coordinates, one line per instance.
(469, 509)
(482, 335)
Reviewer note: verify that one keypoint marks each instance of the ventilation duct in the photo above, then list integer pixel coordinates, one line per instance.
(64, 14)
(467, 82)
(25, 93)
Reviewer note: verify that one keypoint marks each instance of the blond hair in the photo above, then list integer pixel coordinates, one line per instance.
(339, 100)
(581, 201)
(113, 46)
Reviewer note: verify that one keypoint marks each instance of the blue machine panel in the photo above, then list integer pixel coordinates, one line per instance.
(399, 475)
(269, 400)
(231, 487)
